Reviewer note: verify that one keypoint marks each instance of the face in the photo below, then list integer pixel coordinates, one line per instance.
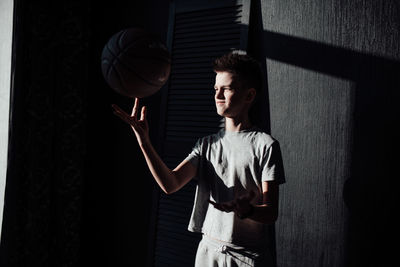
(231, 101)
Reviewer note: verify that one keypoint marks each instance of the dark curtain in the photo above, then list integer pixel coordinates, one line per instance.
(43, 203)
(78, 191)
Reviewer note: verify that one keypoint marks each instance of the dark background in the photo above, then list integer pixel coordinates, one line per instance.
(78, 192)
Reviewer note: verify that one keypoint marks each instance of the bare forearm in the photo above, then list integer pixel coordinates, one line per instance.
(164, 176)
(264, 214)
(268, 211)
(168, 180)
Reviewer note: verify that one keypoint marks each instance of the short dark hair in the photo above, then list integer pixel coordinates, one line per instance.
(246, 68)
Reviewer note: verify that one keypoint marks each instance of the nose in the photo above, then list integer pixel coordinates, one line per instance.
(219, 94)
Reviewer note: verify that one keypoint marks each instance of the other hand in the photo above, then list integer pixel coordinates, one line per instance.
(240, 205)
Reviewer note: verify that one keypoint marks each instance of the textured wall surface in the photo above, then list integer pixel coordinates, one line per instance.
(328, 65)
(310, 115)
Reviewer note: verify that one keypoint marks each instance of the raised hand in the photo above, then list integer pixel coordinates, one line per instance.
(139, 126)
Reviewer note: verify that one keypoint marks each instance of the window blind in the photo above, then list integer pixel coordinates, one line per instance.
(199, 33)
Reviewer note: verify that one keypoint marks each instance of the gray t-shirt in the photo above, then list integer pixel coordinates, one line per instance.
(231, 164)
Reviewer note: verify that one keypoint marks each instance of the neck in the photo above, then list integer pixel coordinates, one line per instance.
(237, 124)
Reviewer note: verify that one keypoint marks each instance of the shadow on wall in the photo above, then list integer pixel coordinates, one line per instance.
(369, 193)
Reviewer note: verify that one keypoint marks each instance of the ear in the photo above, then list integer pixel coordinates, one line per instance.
(251, 95)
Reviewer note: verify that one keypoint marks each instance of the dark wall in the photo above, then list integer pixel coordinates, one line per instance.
(332, 72)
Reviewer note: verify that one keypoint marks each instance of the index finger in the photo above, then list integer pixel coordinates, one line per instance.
(135, 107)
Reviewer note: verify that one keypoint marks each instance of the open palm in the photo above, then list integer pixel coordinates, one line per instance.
(139, 126)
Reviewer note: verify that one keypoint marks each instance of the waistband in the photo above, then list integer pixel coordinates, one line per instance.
(228, 248)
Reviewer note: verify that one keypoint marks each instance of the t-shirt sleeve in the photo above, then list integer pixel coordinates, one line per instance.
(272, 165)
(194, 156)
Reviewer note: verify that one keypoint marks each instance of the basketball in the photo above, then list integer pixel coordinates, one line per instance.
(135, 63)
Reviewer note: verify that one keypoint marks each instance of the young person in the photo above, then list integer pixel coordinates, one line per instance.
(238, 171)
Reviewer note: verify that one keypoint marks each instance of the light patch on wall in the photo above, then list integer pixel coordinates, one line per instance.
(6, 29)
